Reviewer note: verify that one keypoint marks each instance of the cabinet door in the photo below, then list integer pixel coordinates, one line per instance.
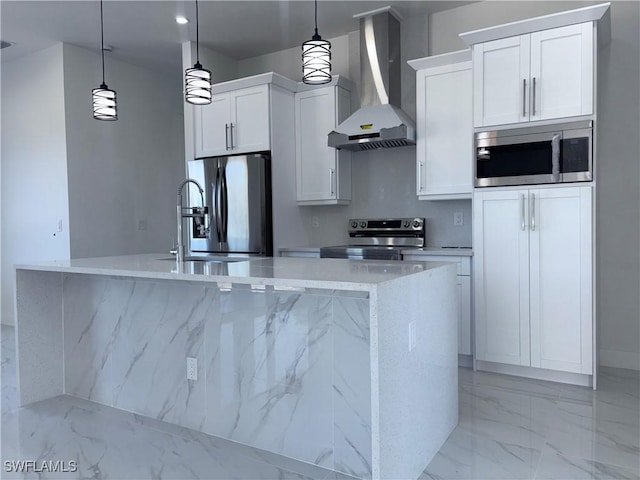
(501, 276)
(501, 81)
(445, 131)
(561, 279)
(562, 72)
(250, 120)
(211, 127)
(316, 161)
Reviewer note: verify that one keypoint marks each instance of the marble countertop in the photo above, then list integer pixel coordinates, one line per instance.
(454, 252)
(284, 272)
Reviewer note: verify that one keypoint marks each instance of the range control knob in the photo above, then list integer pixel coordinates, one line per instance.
(363, 224)
(416, 223)
(354, 224)
(407, 223)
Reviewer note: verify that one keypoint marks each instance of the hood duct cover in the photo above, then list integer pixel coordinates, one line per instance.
(379, 123)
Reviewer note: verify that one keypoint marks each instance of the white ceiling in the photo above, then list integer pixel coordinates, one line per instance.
(145, 32)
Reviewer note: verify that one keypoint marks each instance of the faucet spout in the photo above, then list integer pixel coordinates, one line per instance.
(180, 215)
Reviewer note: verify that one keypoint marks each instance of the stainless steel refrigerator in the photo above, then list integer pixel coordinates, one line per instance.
(238, 194)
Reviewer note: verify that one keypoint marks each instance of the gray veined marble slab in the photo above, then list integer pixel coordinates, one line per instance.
(277, 395)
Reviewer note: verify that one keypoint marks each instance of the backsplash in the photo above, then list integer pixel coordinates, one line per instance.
(384, 185)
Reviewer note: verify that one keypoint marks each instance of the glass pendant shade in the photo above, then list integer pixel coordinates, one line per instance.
(197, 85)
(316, 61)
(104, 103)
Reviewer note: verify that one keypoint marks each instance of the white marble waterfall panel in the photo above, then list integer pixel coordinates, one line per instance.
(39, 336)
(351, 387)
(93, 308)
(161, 325)
(269, 372)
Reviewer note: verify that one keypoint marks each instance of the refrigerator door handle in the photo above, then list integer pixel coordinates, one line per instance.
(224, 205)
(216, 199)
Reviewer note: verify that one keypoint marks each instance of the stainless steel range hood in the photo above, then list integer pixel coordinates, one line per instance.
(379, 123)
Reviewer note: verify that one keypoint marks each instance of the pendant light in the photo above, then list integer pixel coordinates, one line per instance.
(104, 99)
(316, 58)
(197, 79)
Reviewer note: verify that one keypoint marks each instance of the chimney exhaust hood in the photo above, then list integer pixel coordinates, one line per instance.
(379, 123)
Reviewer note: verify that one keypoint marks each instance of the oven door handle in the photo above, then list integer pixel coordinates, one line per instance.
(555, 157)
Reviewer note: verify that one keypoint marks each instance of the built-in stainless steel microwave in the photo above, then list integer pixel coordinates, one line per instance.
(535, 155)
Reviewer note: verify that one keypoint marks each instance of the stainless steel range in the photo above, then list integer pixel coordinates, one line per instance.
(379, 239)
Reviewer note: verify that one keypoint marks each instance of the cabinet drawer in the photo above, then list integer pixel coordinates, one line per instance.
(463, 264)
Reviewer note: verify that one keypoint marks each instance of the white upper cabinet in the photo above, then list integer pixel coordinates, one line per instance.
(444, 129)
(562, 72)
(538, 76)
(533, 276)
(235, 122)
(323, 173)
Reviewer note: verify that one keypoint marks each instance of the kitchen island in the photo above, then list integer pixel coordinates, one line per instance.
(350, 365)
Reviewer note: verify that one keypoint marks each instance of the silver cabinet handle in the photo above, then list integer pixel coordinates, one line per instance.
(533, 211)
(533, 106)
(232, 142)
(522, 226)
(420, 176)
(524, 97)
(331, 182)
(226, 135)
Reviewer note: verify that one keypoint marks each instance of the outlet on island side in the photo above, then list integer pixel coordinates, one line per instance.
(192, 368)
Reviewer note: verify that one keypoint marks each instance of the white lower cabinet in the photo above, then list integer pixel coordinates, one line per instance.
(463, 295)
(533, 277)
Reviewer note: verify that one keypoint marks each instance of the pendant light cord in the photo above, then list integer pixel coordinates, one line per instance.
(102, 40)
(316, 15)
(197, 35)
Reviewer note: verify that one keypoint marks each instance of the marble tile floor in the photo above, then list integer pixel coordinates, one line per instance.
(509, 428)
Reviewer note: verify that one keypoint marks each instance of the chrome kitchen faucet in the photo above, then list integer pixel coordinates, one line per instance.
(200, 215)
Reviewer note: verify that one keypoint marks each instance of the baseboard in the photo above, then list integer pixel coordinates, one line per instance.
(536, 373)
(465, 360)
(618, 359)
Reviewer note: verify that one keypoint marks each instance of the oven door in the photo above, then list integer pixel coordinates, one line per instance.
(527, 159)
(364, 252)
(534, 155)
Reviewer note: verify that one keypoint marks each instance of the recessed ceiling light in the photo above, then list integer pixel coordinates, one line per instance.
(182, 20)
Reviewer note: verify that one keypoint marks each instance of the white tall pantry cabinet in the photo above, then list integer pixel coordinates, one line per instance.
(533, 245)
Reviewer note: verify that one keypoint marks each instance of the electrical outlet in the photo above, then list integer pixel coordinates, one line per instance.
(458, 219)
(192, 368)
(142, 224)
(60, 225)
(315, 222)
(412, 335)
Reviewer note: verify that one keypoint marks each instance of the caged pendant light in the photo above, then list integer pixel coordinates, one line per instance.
(316, 58)
(104, 99)
(197, 79)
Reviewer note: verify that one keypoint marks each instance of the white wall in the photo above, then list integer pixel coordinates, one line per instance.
(125, 172)
(618, 169)
(34, 166)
